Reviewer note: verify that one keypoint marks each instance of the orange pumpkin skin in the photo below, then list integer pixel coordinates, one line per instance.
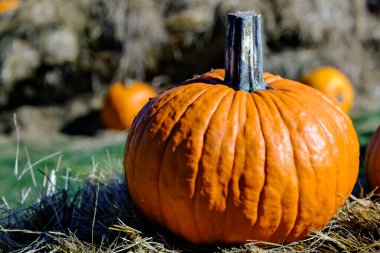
(372, 161)
(122, 103)
(8, 5)
(333, 83)
(216, 165)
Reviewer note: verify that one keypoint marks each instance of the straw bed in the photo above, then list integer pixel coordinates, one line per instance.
(100, 217)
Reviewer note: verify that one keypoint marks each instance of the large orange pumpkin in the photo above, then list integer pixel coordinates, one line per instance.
(333, 83)
(123, 102)
(372, 161)
(228, 157)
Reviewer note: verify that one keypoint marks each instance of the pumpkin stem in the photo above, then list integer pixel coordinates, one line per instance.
(243, 53)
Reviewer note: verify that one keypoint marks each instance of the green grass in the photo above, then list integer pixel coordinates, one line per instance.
(65, 159)
(365, 125)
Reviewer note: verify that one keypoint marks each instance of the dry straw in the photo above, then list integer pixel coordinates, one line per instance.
(100, 217)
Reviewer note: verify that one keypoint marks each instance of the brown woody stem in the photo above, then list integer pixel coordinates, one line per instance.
(243, 55)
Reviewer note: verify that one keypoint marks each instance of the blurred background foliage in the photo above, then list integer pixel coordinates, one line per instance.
(52, 51)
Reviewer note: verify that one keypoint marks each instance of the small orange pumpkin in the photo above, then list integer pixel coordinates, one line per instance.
(123, 102)
(238, 155)
(372, 161)
(8, 5)
(333, 83)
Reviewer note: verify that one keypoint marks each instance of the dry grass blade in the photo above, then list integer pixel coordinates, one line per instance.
(17, 143)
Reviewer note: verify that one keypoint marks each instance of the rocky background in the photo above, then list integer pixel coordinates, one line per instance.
(57, 57)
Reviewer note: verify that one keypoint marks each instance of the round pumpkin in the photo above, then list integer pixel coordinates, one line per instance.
(372, 161)
(333, 83)
(236, 155)
(123, 102)
(8, 5)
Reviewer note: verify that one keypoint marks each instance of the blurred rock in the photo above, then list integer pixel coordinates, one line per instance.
(19, 61)
(141, 30)
(60, 46)
(39, 122)
(79, 116)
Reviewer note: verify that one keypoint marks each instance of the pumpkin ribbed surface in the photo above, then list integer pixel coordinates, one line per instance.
(372, 161)
(218, 165)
